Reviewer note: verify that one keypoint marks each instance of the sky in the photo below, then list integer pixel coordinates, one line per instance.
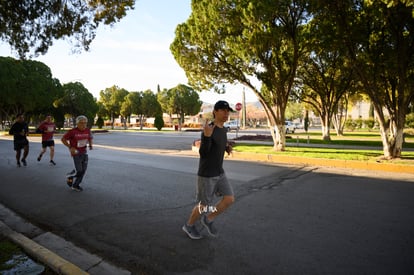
(134, 54)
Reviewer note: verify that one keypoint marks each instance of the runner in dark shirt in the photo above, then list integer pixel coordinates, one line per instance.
(212, 180)
(20, 130)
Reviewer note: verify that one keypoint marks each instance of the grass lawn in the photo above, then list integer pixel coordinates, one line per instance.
(13, 260)
(335, 150)
(7, 250)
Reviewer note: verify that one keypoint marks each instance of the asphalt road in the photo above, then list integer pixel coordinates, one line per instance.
(139, 190)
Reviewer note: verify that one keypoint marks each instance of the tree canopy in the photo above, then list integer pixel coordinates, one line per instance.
(131, 105)
(261, 44)
(181, 100)
(77, 100)
(112, 99)
(245, 42)
(26, 87)
(30, 26)
(379, 37)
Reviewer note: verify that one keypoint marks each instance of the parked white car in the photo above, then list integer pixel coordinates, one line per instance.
(289, 127)
(298, 125)
(232, 125)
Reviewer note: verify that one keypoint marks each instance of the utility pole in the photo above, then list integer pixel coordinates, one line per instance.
(244, 110)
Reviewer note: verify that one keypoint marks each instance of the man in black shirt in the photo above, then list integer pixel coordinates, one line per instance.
(211, 177)
(19, 130)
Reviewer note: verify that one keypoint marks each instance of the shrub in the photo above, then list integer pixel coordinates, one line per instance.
(100, 122)
(350, 124)
(369, 123)
(158, 122)
(409, 120)
(358, 123)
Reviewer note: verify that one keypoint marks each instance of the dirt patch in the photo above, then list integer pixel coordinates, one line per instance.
(255, 137)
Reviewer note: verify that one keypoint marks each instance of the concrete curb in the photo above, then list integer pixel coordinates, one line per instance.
(40, 253)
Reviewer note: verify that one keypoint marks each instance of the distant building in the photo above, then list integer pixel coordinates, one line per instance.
(360, 110)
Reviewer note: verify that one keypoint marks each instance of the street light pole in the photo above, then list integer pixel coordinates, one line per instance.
(244, 110)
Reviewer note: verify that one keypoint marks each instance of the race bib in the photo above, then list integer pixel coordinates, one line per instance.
(82, 143)
(50, 129)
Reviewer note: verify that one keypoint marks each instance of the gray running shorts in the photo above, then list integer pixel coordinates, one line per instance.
(208, 187)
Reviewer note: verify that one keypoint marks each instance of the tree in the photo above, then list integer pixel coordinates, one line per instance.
(294, 110)
(11, 72)
(112, 99)
(341, 114)
(326, 76)
(102, 113)
(159, 122)
(131, 105)
(306, 121)
(181, 100)
(39, 87)
(379, 36)
(100, 122)
(163, 99)
(26, 86)
(244, 42)
(255, 115)
(150, 107)
(29, 25)
(77, 100)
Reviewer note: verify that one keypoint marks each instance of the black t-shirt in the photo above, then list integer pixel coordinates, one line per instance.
(19, 131)
(212, 151)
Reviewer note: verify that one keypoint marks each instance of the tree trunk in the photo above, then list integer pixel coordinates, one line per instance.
(278, 136)
(339, 118)
(392, 139)
(275, 119)
(326, 135)
(140, 122)
(338, 125)
(181, 121)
